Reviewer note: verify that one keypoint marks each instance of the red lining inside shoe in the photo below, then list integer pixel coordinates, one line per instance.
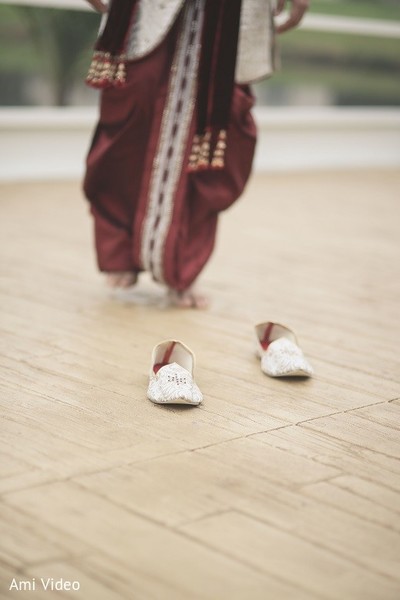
(166, 358)
(265, 341)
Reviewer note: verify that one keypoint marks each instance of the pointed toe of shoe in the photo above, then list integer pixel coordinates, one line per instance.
(173, 384)
(279, 351)
(284, 358)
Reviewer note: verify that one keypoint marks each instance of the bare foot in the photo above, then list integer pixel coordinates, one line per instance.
(121, 279)
(189, 298)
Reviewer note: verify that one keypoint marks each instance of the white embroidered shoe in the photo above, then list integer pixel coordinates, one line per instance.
(279, 352)
(171, 375)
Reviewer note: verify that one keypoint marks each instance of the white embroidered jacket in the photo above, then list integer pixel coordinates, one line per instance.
(256, 39)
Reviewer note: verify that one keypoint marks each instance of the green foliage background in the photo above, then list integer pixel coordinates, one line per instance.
(358, 70)
(53, 47)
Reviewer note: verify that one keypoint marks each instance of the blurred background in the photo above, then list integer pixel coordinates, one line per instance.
(339, 72)
(45, 52)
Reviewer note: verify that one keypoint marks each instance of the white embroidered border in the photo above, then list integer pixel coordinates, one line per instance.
(175, 126)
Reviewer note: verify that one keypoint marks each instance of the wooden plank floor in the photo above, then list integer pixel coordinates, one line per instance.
(271, 489)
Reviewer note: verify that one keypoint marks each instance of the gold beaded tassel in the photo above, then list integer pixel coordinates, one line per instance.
(199, 158)
(195, 153)
(218, 158)
(204, 156)
(107, 70)
(119, 74)
(95, 69)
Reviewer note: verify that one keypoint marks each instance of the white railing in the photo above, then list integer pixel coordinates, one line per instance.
(51, 143)
(316, 22)
(74, 4)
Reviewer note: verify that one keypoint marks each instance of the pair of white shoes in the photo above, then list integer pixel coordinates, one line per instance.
(172, 364)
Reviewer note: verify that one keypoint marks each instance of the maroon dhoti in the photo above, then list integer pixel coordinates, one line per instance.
(150, 211)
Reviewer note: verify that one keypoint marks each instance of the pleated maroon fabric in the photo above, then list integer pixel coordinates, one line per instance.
(150, 211)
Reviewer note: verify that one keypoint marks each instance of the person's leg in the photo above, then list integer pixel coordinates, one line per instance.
(116, 160)
(176, 215)
(205, 194)
(150, 213)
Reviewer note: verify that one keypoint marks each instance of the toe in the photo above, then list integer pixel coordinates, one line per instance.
(121, 279)
(188, 299)
(200, 301)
